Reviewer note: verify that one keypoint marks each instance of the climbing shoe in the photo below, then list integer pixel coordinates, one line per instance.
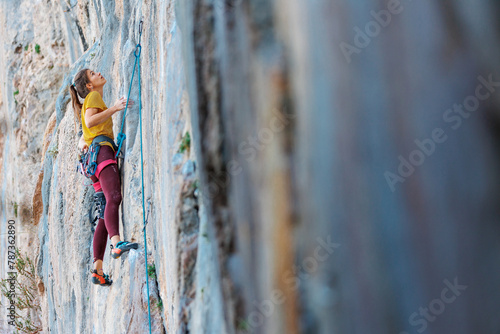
(122, 247)
(102, 280)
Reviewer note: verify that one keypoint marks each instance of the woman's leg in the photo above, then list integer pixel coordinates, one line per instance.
(111, 186)
(100, 241)
(100, 235)
(109, 183)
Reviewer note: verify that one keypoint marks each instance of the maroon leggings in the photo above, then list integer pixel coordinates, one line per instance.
(111, 187)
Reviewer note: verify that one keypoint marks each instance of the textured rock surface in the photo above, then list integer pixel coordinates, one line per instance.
(102, 36)
(278, 218)
(294, 140)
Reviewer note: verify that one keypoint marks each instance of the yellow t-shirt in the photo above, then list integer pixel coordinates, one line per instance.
(94, 100)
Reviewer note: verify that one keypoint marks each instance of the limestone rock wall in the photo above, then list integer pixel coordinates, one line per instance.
(39, 154)
(301, 110)
(33, 61)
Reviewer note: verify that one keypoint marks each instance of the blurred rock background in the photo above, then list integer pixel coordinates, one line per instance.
(322, 166)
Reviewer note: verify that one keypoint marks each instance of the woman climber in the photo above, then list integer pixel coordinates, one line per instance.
(97, 126)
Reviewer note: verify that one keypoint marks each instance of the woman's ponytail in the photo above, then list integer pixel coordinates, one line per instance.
(75, 101)
(78, 88)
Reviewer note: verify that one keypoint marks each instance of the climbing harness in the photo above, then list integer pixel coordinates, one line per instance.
(102, 138)
(121, 137)
(88, 160)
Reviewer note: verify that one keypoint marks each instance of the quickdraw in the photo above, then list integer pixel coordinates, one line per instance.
(87, 162)
(87, 165)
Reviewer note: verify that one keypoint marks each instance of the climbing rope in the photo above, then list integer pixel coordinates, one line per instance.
(142, 179)
(121, 138)
(137, 53)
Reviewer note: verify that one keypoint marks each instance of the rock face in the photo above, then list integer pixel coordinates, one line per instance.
(321, 166)
(39, 155)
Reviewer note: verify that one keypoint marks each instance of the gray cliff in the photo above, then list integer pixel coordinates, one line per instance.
(332, 183)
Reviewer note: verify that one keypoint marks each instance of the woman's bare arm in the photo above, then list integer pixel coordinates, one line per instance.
(94, 116)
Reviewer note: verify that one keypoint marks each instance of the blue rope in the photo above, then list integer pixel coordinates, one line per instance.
(143, 207)
(121, 138)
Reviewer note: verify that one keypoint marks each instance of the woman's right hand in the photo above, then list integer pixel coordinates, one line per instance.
(122, 102)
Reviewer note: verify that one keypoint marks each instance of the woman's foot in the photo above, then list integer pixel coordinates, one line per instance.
(122, 247)
(102, 280)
